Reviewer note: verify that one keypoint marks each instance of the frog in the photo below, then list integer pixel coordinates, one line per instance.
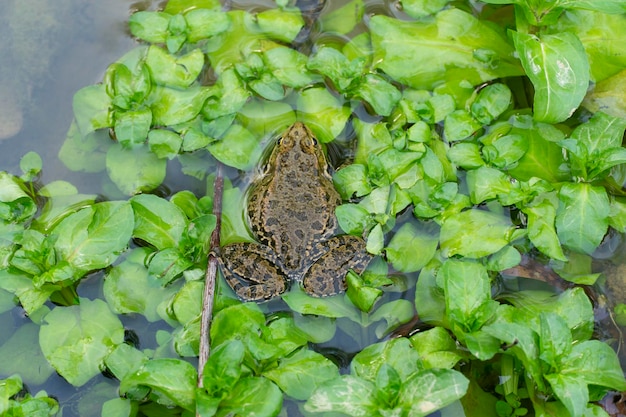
(291, 214)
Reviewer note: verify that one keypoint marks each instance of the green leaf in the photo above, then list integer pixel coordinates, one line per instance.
(15, 204)
(237, 148)
(430, 390)
(31, 165)
(379, 93)
(601, 133)
(169, 70)
(486, 183)
(608, 96)
(76, 339)
(582, 216)
(595, 363)
(491, 102)
(559, 70)
(170, 381)
(541, 228)
(223, 368)
(572, 392)
(459, 231)
(412, 52)
(333, 307)
(347, 394)
(422, 8)
(411, 248)
(555, 339)
(300, 374)
(397, 353)
(460, 125)
(343, 19)
(164, 143)
(288, 66)
(280, 24)
(468, 292)
(85, 153)
(21, 354)
(129, 288)
(157, 221)
(92, 109)
(134, 170)
(322, 112)
(131, 127)
(124, 360)
(149, 26)
(543, 158)
(253, 396)
(203, 23)
(170, 106)
(351, 181)
(93, 237)
(436, 348)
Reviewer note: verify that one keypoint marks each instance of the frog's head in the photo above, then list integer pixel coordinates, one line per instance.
(298, 147)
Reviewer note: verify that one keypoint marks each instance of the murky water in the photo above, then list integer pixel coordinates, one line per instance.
(49, 50)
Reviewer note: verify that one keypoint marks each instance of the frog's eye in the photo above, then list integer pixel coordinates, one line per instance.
(309, 142)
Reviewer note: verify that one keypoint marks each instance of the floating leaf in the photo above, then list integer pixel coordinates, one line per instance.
(93, 237)
(76, 339)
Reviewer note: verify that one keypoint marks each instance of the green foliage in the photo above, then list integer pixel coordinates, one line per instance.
(455, 175)
(14, 402)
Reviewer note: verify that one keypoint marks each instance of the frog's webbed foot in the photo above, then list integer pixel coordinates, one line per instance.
(252, 271)
(327, 275)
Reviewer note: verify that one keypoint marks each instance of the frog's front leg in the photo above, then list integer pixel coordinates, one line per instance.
(326, 276)
(252, 271)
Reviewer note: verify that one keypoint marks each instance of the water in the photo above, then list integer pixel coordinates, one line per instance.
(51, 49)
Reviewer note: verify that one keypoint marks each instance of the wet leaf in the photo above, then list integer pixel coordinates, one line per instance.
(134, 170)
(431, 390)
(348, 395)
(253, 396)
(93, 237)
(301, 373)
(170, 381)
(15, 204)
(76, 339)
(582, 216)
(21, 354)
(237, 148)
(409, 52)
(559, 70)
(459, 232)
(411, 248)
(170, 70)
(157, 221)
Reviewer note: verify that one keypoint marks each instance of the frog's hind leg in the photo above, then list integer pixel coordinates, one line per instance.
(252, 271)
(327, 275)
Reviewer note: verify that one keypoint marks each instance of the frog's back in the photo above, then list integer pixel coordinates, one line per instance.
(292, 207)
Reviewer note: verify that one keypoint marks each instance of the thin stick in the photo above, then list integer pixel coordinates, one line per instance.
(211, 275)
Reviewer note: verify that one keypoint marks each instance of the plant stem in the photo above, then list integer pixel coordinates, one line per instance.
(211, 274)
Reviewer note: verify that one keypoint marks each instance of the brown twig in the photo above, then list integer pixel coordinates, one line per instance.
(211, 275)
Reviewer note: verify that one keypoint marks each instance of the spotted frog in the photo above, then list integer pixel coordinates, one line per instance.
(291, 212)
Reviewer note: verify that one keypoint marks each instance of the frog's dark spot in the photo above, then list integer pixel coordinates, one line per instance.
(317, 225)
